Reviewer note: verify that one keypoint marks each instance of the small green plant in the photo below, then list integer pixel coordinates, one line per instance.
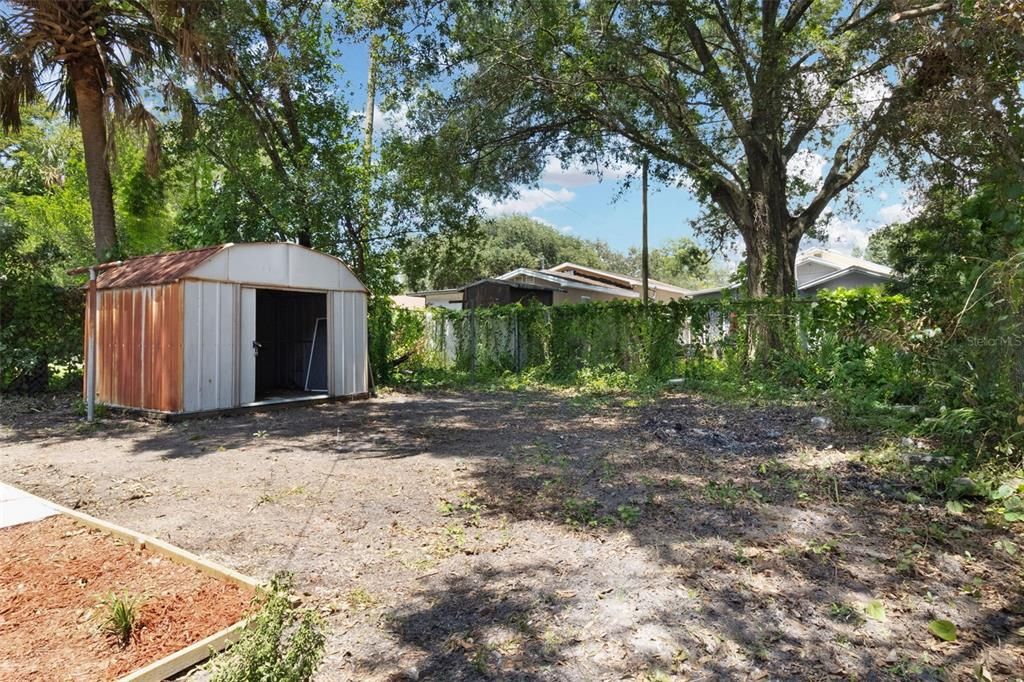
(468, 505)
(260, 434)
(120, 616)
(360, 598)
(726, 494)
(580, 513)
(821, 547)
(628, 514)
(99, 409)
(844, 613)
(281, 643)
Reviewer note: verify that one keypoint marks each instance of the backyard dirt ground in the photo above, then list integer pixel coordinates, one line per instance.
(533, 536)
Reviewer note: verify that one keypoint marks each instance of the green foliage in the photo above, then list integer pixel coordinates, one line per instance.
(120, 616)
(279, 644)
(961, 267)
(841, 340)
(45, 228)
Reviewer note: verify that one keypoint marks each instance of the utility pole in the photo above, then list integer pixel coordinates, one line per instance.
(363, 228)
(645, 272)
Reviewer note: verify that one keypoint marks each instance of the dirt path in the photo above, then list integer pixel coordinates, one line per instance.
(530, 537)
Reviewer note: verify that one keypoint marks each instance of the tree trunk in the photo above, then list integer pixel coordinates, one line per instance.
(92, 121)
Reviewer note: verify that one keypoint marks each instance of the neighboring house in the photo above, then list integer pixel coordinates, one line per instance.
(822, 269)
(565, 283)
(582, 284)
(440, 298)
(816, 270)
(408, 301)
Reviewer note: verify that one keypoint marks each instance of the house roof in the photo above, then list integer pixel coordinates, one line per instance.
(513, 284)
(841, 261)
(836, 274)
(626, 281)
(435, 292)
(568, 281)
(159, 268)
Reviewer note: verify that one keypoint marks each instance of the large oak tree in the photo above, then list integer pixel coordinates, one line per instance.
(733, 94)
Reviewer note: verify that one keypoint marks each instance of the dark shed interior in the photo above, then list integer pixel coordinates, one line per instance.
(287, 322)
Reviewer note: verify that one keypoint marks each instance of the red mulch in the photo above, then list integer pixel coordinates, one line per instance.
(54, 572)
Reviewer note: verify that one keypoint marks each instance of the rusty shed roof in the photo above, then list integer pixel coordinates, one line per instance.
(160, 268)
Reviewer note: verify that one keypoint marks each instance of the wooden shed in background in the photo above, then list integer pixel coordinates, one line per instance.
(228, 326)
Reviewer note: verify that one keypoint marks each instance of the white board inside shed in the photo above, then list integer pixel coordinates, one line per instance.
(247, 348)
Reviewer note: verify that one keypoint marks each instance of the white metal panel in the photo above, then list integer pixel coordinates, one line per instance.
(278, 265)
(246, 353)
(349, 362)
(336, 320)
(210, 342)
(361, 349)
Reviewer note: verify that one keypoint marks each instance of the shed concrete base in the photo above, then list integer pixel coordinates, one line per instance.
(260, 406)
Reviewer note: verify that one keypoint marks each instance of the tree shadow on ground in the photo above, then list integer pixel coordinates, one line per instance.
(787, 537)
(686, 537)
(483, 625)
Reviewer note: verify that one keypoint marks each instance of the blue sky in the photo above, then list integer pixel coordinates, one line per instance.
(581, 204)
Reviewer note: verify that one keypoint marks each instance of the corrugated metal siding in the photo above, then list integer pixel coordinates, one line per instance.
(139, 347)
(349, 363)
(210, 345)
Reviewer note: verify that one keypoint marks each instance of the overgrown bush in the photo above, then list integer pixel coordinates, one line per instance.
(40, 322)
(962, 267)
(279, 644)
(854, 340)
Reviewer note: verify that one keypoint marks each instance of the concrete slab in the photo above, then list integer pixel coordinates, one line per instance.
(17, 507)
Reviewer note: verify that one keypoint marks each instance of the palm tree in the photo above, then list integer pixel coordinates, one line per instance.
(90, 58)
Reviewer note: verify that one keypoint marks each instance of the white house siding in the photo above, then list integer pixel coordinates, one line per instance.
(810, 271)
(210, 345)
(850, 280)
(348, 363)
(571, 295)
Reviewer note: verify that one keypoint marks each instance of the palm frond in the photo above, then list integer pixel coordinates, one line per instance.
(143, 119)
(18, 86)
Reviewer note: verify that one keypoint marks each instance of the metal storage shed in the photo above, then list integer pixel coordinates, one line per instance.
(224, 327)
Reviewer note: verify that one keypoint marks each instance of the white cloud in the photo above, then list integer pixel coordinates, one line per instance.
(578, 174)
(564, 229)
(807, 165)
(842, 235)
(847, 235)
(386, 121)
(856, 101)
(898, 213)
(527, 200)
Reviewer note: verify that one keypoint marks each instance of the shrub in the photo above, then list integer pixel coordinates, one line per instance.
(280, 643)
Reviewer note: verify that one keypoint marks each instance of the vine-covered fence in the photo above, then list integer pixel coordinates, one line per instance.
(656, 339)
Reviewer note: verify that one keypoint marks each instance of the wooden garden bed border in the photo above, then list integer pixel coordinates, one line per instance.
(194, 653)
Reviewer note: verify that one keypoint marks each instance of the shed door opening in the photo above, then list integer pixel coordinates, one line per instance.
(290, 344)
